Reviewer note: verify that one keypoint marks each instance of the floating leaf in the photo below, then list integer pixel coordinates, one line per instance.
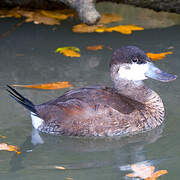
(57, 14)
(5, 147)
(69, 51)
(145, 172)
(60, 167)
(157, 56)
(56, 85)
(94, 48)
(68, 178)
(124, 29)
(109, 18)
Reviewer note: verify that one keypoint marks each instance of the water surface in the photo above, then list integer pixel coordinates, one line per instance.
(27, 57)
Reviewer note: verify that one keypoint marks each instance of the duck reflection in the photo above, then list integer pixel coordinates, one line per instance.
(82, 152)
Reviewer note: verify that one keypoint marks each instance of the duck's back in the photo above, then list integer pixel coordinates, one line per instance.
(91, 111)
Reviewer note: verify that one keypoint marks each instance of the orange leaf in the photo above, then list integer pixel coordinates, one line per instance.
(94, 48)
(4, 146)
(57, 14)
(145, 172)
(157, 56)
(56, 85)
(124, 29)
(160, 173)
(1, 136)
(83, 28)
(60, 167)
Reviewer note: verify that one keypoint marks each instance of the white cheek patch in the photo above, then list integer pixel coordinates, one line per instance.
(36, 121)
(134, 72)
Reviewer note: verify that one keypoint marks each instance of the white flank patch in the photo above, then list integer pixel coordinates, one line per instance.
(36, 121)
(134, 72)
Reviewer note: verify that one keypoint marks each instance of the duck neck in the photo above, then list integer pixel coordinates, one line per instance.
(135, 90)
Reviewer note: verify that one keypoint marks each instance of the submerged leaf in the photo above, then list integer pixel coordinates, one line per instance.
(94, 48)
(69, 51)
(158, 56)
(1, 136)
(4, 146)
(56, 85)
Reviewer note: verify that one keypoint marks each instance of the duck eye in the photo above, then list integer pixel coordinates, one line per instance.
(135, 60)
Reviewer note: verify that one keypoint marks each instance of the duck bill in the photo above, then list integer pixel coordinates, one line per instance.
(155, 73)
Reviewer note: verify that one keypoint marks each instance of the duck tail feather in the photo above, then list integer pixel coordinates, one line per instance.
(21, 100)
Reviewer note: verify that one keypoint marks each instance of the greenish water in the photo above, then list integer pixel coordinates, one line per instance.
(83, 158)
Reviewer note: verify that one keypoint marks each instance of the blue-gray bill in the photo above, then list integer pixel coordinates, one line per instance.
(155, 73)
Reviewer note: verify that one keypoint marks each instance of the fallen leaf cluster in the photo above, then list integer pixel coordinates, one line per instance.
(101, 26)
(39, 16)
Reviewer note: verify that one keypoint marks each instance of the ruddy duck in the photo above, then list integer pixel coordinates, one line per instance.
(127, 108)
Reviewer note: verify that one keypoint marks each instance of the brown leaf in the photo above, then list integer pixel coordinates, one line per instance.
(94, 48)
(39, 16)
(56, 85)
(4, 146)
(158, 56)
(109, 18)
(83, 28)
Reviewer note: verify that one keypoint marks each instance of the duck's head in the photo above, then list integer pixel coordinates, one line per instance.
(131, 64)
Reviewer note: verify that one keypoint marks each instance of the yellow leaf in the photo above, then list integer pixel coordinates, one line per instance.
(68, 178)
(60, 167)
(56, 85)
(94, 48)
(69, 51)
(4, 146)
(158, 56)
(109, 18)
(124, 29)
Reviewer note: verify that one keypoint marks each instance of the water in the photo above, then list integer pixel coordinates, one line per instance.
(27, 57)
